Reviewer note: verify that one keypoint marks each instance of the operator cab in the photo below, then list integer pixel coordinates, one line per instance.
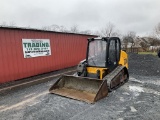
(103, 52)
(103, 55)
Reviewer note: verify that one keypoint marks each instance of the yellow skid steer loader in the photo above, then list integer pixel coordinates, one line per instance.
(104, 69)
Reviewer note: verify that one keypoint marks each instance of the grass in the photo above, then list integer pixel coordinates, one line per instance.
(151, 53)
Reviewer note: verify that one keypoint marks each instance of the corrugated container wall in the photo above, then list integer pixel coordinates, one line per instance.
(66, 50)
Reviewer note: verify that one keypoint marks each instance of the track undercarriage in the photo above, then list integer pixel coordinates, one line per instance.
(116, 78)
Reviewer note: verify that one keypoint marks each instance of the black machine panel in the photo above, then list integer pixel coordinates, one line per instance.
(113, 53)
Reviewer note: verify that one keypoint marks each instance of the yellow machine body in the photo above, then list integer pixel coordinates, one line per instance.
(95, 79)
(93, 70)
(123, 59)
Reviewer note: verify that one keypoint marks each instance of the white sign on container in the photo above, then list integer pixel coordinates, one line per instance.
(36, 47)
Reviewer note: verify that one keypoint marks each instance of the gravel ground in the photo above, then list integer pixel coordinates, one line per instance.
(144, 65)
(139, 99)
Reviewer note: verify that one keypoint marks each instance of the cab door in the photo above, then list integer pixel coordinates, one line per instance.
(113, 53)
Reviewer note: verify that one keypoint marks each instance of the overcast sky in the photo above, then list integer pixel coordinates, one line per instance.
(140, 16)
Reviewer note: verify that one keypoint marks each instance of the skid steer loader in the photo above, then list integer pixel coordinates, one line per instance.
(104, 69)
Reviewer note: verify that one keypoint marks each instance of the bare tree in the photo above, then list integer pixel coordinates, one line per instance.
(55, 27)
(157, 31)
(28, 26)
(144, 46)
(125, 41)
(12, 24)
(154, 41)
(74, 29)
(4, 24)
(129, 38)
(62, 29)
(88, 32)
(46, 28)
(109, 30)
(131, 34)
(97, 33)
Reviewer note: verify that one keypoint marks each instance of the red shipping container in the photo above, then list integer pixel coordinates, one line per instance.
(67, 50)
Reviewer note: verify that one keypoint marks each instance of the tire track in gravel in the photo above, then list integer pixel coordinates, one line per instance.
(23, 103)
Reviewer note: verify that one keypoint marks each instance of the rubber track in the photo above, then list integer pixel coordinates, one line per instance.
(110, 77)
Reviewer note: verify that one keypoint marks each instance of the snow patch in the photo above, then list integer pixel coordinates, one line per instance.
(125, 93)
(121, 99)
(133, 109)
(135, 80)
(2, 106)
(136, 89)
(120, 119)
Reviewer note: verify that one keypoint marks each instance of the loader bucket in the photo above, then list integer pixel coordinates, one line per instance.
(81, 88)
